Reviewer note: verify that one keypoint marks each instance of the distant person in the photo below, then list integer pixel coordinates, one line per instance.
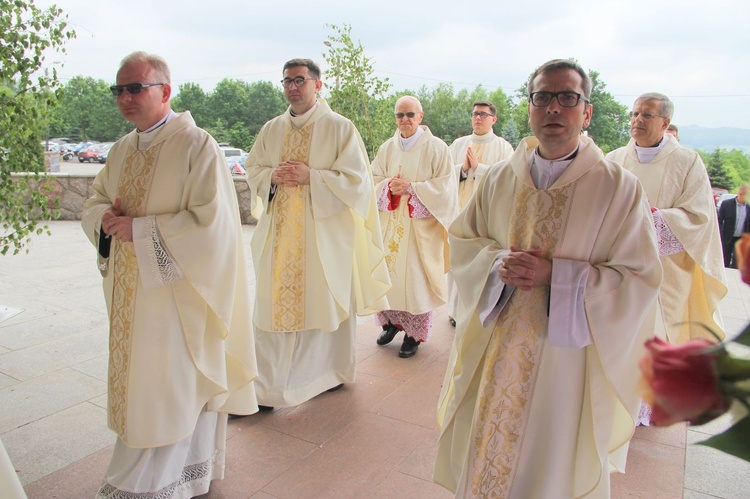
(672, 130)
(317, 250)
(417, 191)
(472, 156)
(165, 222)
(679, 192)
(734, 219)
(557, 268)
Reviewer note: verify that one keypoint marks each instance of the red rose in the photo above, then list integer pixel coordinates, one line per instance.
(680, 382)
(742, 249)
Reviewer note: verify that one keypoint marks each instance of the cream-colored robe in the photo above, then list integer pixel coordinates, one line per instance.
(533, 419)
(489, 149)
(417, 250)
(317, 253)
(180, 335)
(677, 184)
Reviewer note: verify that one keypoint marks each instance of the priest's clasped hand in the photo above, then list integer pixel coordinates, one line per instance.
(116, 224)
(525, 269)
(470, 161)
(291, 174)
(399, 186)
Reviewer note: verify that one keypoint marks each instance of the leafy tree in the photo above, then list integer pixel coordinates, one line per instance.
(26, 90)
(610, 124)
(737, 164)
(503, 105)
(447, 114)
(717, 173)
(191, 97)
(353, 90)
(88, 111)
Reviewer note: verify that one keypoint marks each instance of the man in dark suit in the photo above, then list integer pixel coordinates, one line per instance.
(734, 219)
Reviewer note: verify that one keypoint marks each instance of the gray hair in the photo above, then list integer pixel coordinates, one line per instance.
(666, 107)
(555, 64)
(410, 98)
(156, 62)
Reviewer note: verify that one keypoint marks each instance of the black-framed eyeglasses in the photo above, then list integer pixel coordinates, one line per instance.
(482, 114)
(400, 116)
(298, 81)
(646, 116)
(565, 99)
(132, 88)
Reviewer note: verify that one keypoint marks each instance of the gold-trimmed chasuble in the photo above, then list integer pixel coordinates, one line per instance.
(133, 190)
(288, 258)
(514, 352)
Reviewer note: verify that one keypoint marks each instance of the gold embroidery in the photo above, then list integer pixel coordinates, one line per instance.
(133, 190)
(539, 221)
(288, 260)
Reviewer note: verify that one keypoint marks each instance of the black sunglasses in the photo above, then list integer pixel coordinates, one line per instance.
(132, 88)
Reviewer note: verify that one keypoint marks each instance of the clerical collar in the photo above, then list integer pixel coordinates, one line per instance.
(647, 154)
(145, 138)
(157, 124)
(409, 142)
(545, 172)
(299, 120)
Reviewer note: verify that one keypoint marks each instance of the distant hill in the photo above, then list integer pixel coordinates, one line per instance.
(708, 139)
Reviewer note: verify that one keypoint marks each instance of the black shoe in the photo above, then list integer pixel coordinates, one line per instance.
(335, 387)
(387, 335)
(408, 348)
(452, 321)
(265, 408)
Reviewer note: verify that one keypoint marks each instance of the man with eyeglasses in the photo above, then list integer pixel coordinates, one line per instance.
(317, 250)
(165, 221)
(417, 199)
(556, 265)
(684, 216)
(472, 156)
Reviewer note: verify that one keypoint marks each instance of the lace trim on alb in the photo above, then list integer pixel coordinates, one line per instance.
(666, 239)
(192, 475)
(165, 269)
(418, 209)
(383, 200)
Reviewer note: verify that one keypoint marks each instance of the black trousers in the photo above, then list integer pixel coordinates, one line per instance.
(730, 259)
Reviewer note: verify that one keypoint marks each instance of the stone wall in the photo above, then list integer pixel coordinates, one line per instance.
(72, 191)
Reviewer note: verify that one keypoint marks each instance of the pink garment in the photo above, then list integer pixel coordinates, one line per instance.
(416, 326)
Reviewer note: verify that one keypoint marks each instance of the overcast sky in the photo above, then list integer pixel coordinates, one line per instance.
(695, 52)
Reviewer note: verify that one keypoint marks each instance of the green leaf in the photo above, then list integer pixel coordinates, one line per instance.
(734, 441)
(744, 337)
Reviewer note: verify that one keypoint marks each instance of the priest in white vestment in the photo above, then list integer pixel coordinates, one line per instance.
(317, 251)
(679, 192)
(417, 199)
(472, 156)
(557, 267)
(165, 221)
(687, 230)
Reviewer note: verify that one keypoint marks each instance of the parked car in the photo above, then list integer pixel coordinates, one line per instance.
(232, 151)
(101, 154)
(89, 154)
(237, 164)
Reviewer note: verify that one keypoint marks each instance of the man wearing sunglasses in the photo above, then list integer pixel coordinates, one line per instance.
(165, 221)
(684, 215)
(316, 248)
(556, 267)
(417, 194)
(472, 156)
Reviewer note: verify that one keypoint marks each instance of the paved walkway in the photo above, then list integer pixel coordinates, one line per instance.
(374, 438)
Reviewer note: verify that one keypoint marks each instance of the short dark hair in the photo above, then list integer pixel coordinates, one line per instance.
(555, 64)
(313, 68)
(486, 103)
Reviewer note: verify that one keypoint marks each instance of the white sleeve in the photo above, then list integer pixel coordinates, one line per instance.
(568, 326)
(156, 266)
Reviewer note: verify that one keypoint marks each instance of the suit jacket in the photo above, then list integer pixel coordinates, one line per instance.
(728, 217)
